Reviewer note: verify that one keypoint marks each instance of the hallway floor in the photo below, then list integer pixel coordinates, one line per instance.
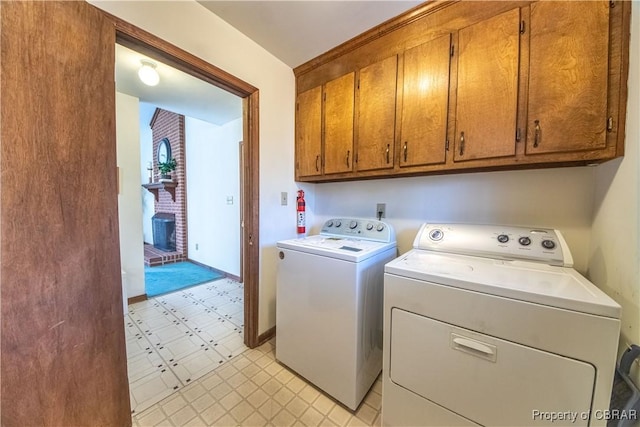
(176, 338)
(180, 377)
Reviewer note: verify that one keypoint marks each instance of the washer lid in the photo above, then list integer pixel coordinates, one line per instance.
(560, 287)
(353, 250)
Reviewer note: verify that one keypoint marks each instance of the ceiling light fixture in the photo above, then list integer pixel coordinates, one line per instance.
(148, 73)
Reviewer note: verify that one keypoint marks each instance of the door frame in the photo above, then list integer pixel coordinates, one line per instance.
(141, 41)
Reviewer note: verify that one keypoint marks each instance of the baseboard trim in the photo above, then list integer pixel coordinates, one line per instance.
(215, 270)
(266, 336)
(136, 299)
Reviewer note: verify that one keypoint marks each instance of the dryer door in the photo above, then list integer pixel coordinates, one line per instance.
(490, 381)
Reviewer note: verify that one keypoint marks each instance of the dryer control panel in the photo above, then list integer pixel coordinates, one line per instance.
(359, 228)
(543, 245)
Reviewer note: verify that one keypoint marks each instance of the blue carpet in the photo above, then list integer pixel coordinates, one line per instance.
(171, 277)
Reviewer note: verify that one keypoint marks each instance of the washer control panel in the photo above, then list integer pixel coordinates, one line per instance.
(360, 228)
(544, 245)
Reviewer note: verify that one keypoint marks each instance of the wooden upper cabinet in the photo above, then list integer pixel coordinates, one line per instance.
(377, 115)
(487, 95)
(338, 124)
(568, 73)
(425, 103)
(309, 133)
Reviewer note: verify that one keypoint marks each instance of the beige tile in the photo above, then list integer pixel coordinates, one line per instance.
(250, 370)
(309, 393)
(172, 404)
(273, 369)
(246, 389)
(339, 415)
(225, 421)
(284, 419)
(283, 396)
(220, 391)
(378, 420)
(366, 413)
(237, 380)
(272, 386)
(226, 371)
(377, 387)
(254, 420)
(311, 417)
(253, 355)
(257, 398)
(323, 404)
(240, 362)
(296, 384)
(183, 416)
(284, 376)
(210, 381)
(269, 409)
(203, 402)
(241, 411)
(357, 422)
(260, 378)
(297, 406)
(231, 400)
(195, 422)
(151, 417)
(192, 392)
(374, 400)
(212, 413)
(264, 361)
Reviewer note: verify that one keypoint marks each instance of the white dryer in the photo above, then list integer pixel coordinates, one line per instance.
(329, 305)
(490, 325)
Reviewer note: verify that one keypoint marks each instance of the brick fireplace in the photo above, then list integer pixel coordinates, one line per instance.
(165, 124)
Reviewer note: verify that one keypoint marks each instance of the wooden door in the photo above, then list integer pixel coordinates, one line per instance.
(567, 109)
(425, 103)
(487, 94)
(377, 115)
(63, 358)
(309, 133)
(338, 124)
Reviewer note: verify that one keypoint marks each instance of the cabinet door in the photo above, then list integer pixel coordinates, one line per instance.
(568, 76)
(425, 103)
(309, 133)
(377, 114)
(338, 124)
(487, 97)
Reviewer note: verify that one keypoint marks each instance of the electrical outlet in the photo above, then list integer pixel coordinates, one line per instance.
(381, 210)
(197, 246)
(284, 198)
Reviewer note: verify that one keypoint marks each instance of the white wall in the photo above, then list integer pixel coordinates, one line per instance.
(615, 245)
(213, 176)
(146, 156)
(556, 198)
(193, 28)
(129, 207)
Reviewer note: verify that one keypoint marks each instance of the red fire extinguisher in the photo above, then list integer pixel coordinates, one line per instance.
(301, 212)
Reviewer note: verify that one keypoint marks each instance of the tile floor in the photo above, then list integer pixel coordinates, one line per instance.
(177, 338)
(172, 340)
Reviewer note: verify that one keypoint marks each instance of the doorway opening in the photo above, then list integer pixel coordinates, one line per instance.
(147, 44)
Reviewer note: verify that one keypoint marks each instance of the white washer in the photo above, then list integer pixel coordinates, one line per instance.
(490, 325)
(329, 305)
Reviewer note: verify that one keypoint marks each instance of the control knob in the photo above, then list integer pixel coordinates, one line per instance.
(436, 234)
(548, 244)
(380, 227)
(353, 224)
(524, 241)
(329, 223)
(369, 226)
(503, 238)
(338, 224)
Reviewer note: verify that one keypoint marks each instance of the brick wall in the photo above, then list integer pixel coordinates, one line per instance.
(166, 124)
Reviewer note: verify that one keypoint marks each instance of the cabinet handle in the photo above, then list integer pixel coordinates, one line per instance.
(404, 149)
(462, 143)
(387, 152)
(348, 154)
(317, 160)
(536, 135)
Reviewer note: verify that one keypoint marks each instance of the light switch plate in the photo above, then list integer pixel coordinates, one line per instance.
(284, 198)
